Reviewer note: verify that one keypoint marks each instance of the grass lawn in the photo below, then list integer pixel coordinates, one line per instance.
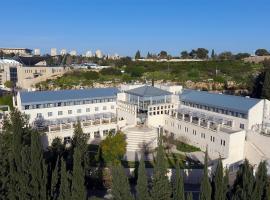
(180, 146)
(6, 100)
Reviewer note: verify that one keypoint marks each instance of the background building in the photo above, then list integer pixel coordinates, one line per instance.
(63, 52)
(8, 71)
(17, 51)
(88, 54)
(73, 53)
(37, 52)
(99, 54)
(26, 76)
(53, 52)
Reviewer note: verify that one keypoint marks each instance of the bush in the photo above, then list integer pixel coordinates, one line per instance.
(110, 71)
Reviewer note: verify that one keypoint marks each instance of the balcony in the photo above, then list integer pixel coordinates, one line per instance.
(211, 122)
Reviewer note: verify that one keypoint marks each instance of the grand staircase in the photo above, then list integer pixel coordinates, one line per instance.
(140, 138)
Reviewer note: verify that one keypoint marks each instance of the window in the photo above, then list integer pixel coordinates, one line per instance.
(112, 107)
(105, 133)
(87, 109)
(202, 135)
(96, 108)
(96, 134)
(79, 110)
(26, 107)
(69, 112)
(60, 112)
(39, 115)
(104, 107)
(113, 131)
(50, 114)
(242, 126)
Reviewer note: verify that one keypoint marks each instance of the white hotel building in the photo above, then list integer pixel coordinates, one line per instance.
(231, 127)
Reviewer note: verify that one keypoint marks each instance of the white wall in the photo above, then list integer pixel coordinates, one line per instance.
(255, 114)
(110, 107)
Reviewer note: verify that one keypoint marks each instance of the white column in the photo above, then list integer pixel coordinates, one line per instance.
(208, 124)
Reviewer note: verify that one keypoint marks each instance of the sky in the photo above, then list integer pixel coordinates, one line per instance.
(125, 26)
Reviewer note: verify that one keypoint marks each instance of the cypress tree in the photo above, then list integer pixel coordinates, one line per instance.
(178, 185)
(120, 184)
(5, 147)
(206, 189)
(226, 186)
(261, 184)
(161, 188)
(38, 169)
(218, 192)
(78, 190)
(64, 190)
(244, 183)
(25, 176)
(190, 196)
(17, 127)
(55, 181)
(138, 55)
(267, 195)
(142, 182)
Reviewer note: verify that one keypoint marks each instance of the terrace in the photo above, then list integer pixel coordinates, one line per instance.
(208, 121)
(64, 124)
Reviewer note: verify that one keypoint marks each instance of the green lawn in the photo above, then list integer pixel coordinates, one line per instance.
(180, 146)
(6, 100)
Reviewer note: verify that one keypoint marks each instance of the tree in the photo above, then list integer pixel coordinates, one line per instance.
(16, 127)
(184, 55)
(79, 138)
(261, 52)
(241, 56)
(148, 55)
(161, 188)
(193, 54)
(178, 185)
(226, 186)
(202, 53)
(190, 196)
(260, 190)
(218, 192)
(37, 169)
(213, 55)
(227, 55)
(135, 71)
(137, 55)
(120, 184)
(8, 84)
(206, 190)
(267, 196)
(243, 187)
(142, 182)
(78, 190)
(163, 54)
(113, 148)
(55, 181)
(64, 190)
(266, 82)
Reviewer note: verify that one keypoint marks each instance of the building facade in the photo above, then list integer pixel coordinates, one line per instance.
(228, 126)
(17, 51)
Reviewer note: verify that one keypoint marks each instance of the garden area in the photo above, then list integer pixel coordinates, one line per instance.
(215, 71)
(179, 144)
